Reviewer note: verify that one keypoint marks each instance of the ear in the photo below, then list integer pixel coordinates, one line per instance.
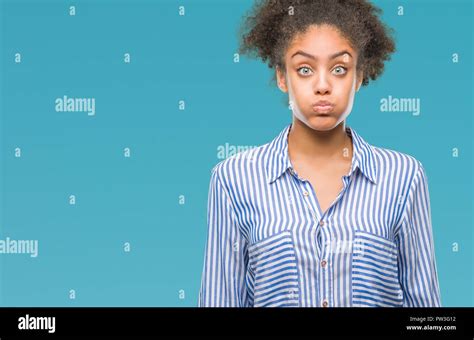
(360, 77)
(281, 80)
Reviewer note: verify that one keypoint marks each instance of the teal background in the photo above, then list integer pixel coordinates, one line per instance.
(136, 199)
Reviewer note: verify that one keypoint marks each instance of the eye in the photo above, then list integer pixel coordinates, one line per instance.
(341, 68)
(301, 68)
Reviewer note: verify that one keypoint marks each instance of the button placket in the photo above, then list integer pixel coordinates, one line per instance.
(321, 232)
(323, 263)
(306, 192)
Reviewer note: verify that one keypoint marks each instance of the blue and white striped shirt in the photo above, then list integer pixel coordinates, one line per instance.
(269, 243)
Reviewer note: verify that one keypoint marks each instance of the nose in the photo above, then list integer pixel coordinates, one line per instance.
(322, 85)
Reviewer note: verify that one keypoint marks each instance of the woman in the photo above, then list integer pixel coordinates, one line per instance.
(319, 217)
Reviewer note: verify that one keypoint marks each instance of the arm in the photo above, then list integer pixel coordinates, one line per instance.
(225, 260)
(417, 264)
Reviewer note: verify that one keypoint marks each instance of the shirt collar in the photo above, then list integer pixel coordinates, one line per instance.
(279, 161)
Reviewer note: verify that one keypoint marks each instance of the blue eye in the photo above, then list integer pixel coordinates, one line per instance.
(304, 67)
(337, 73)
(341, 67)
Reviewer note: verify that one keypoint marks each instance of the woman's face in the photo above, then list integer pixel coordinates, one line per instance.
(321, 66)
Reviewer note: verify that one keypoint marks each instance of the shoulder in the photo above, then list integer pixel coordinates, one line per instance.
(251, 162)
(391, 163)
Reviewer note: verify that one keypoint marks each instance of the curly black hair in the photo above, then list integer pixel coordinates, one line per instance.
(271, 25)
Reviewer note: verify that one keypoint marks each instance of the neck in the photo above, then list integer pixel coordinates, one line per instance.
(306, 143)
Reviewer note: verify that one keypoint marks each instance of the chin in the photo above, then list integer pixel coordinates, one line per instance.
(319, 123)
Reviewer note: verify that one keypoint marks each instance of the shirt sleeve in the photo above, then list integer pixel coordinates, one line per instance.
(417, 264)
(225, 256)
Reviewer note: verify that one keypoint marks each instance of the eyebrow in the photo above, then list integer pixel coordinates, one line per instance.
(335, 55)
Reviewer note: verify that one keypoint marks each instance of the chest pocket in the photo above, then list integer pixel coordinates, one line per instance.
(274, 271)
(375, 272)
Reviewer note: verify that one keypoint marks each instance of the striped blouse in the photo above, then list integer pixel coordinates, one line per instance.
(269, 244)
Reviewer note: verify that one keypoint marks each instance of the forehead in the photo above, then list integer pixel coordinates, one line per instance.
(321, 40)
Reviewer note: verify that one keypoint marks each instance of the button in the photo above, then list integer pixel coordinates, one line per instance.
(321, 223)
(325, 303)
(323, 263)
(305, 193)
(292, 171)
